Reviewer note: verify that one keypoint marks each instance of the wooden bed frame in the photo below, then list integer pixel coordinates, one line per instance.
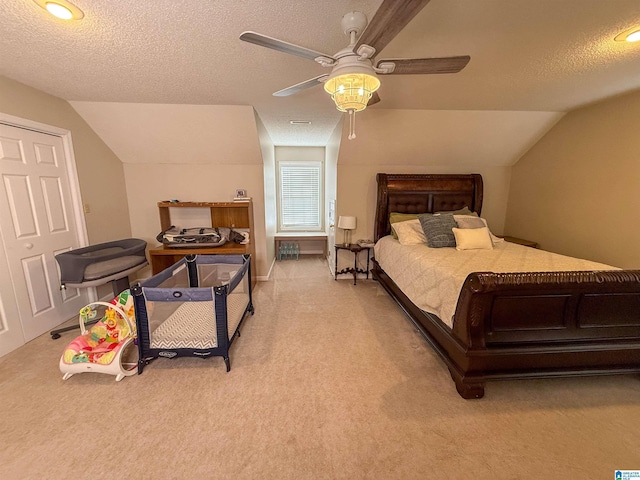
(516, 325)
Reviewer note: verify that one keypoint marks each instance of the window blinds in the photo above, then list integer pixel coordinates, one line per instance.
(300, 195)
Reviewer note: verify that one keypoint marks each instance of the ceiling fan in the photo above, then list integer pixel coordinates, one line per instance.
(352, 95)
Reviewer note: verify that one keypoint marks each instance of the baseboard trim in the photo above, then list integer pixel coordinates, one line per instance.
(265, 278)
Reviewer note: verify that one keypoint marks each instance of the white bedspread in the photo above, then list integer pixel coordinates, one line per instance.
(432, 277)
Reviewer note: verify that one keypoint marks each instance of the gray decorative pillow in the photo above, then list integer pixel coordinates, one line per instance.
(464, 221)
(439, 230)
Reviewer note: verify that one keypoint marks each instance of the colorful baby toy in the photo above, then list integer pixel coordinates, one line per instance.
(101, 348)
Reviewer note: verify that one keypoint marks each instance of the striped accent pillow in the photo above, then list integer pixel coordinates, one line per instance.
(439, 230)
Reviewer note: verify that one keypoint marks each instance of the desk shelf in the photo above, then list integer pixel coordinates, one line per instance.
(223, 214)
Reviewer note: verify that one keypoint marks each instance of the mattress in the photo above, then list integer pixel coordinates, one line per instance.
(193, 324)
(432, 278)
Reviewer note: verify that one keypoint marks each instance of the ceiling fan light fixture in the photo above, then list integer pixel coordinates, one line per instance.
(351, 84)
(351, 91)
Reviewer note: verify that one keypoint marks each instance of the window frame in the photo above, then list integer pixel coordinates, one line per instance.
(319, 164)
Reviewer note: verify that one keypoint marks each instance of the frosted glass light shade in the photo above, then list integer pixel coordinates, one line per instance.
(347, 223)
(352, 91)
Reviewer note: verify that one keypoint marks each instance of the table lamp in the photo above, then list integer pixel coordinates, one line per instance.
(347, 224)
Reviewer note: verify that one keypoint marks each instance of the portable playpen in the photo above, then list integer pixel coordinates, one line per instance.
(193, 308)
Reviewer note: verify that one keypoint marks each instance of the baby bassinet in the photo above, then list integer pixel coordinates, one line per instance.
(193, 308)
(105, 347)
(99, 264)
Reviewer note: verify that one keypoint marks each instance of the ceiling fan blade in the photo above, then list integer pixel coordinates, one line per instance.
(281, 46)
(375, 98)
(417, 66)
(390, 18)
(312, 82)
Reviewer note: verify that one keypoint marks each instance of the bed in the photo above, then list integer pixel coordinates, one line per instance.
(514, 325)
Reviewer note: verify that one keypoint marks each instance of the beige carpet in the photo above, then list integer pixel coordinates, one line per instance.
(328, 381)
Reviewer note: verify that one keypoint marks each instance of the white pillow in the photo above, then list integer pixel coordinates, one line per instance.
(410, 232)
(472, 238)
(466, 221)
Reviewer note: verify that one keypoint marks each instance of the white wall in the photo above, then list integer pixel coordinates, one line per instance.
(100, 172)
(576, 192)
(408, 141)
(444, 137)
(332, 151)
(300, 154)
(269, 172)
(331, 189)
(185, 152)
(176, 134)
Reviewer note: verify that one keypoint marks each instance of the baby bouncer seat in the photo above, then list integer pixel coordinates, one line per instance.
(108, 345)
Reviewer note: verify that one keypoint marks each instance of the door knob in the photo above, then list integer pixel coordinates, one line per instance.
(28, 246)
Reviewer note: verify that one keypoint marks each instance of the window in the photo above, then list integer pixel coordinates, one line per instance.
(300, 198)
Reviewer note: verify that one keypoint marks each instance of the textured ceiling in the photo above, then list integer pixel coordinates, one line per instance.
(526, 55)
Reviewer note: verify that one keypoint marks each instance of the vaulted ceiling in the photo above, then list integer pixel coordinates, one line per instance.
(526, 55)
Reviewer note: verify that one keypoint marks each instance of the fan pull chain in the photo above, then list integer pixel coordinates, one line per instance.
(352, 124)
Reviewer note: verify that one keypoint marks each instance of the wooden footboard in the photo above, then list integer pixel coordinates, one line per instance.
(532, 325)
(502, 308)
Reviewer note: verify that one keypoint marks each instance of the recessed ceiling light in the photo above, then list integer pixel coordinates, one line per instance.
(631, 35)
(61, 9)
(634, 37)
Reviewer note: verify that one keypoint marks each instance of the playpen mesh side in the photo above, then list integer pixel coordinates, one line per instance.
(193, 323)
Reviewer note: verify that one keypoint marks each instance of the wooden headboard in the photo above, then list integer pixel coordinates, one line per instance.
(424, 194)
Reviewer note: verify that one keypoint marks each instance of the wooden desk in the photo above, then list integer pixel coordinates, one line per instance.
(302, 237)
(162, 256)
(223, 214)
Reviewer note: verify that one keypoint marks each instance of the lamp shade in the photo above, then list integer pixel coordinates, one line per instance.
(351, 83)
(352, 91)
(347, 223)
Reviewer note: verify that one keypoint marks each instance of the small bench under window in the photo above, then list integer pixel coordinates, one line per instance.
(308, 242)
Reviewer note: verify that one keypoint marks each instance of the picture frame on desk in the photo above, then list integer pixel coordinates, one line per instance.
(241, 196)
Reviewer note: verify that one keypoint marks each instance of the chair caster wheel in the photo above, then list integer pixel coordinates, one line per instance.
(55, 336)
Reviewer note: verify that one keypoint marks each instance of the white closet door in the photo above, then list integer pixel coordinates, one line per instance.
(37, 222)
